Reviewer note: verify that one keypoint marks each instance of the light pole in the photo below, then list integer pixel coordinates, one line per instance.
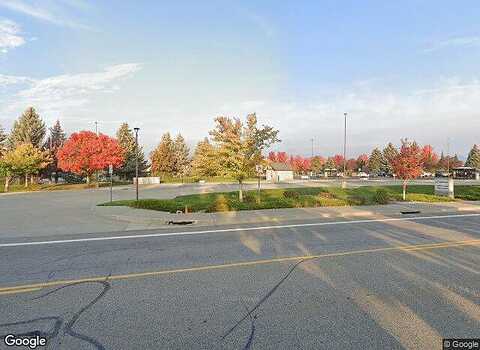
(136, 162)
(345, 151)
(96, 171)
(312, 145)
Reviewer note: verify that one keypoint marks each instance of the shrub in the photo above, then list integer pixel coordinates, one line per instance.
(291, 194)
(220, 204)
(381, 196)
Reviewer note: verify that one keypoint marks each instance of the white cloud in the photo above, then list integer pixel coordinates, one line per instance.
(58, 94)
(55, 13)
(466, 41)
(10, 35)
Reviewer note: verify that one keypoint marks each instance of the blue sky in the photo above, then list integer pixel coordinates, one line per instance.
(400, 69)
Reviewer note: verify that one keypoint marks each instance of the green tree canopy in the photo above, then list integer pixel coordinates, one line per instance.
(473, 159)
(126, 139)
(182, 156)
(29, 128)
(53, 143)
(240, 146)
(389, 154)
(375, 161)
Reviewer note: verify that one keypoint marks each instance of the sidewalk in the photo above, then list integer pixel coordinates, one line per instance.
(148, 219)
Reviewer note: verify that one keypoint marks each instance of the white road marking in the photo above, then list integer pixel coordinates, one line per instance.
(257, 228)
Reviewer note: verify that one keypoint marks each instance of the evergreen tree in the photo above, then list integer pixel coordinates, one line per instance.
(375, 162)
(473, 159)
(126, 139)
(182, 159)
(163, 157)
(205, 162)
(53, 143)
(389, 154)
(29, 128)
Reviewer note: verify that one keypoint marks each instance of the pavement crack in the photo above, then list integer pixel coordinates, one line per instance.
(265, 298)
(71, 323)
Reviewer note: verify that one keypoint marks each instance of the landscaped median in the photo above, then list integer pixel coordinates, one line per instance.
(296, 198)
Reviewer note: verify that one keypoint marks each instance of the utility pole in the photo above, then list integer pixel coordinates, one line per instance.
(136, 162)
(448, 156)
(96, 171)
(344, 184)
(312, 145)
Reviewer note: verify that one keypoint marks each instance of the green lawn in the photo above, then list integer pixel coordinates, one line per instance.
(297, 198)
(56, 187)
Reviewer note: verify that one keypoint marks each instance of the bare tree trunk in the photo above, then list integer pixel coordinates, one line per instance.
(32, 179)
(26, 180)
(88, 179)
(240, 191)
(404, 190)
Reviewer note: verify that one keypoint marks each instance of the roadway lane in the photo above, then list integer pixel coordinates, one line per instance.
(380, 284)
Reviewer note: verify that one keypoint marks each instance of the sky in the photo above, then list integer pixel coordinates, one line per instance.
(400, 69)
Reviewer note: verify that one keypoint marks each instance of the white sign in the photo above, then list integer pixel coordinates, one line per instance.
(110, 169)
(444, 187)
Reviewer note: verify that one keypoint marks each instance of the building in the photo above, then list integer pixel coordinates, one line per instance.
(278, 172)
(465, 172)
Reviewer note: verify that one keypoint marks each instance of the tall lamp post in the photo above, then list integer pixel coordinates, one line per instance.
(136, 162)
(344, 184)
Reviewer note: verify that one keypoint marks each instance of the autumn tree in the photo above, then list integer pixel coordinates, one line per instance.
(430, 158)
(362, 162)
(375, 162)
(330, 164)
(205, 162)
(351, 165)
(126, 139)
(25, 160)
(388, 155)
(448, 162)
(317, 163)
(182, 156)
(29, 128)
(53, 143)
(240, 146)
(163, 157)
(473, 159)
(280, 157)
(85, 152)
(3, 139)
(339, 161)
(300, 164)
(408, 163)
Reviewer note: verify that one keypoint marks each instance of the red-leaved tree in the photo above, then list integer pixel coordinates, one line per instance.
(85, 152)
(338, 160)
(408, 164)
(430, 158)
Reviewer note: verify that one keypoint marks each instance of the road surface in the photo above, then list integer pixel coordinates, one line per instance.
(386, 283)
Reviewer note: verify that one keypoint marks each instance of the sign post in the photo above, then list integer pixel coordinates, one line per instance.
(259, 170)
(110, 171)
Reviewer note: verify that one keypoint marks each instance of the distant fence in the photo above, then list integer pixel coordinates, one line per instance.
(147, 180)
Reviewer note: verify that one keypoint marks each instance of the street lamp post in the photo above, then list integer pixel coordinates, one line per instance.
(344, 152)
(136, 162)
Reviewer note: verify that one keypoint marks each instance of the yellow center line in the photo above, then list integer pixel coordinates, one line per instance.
(38, 286)
(16, 291)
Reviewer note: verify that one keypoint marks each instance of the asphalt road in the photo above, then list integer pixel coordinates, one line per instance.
(382, 284)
